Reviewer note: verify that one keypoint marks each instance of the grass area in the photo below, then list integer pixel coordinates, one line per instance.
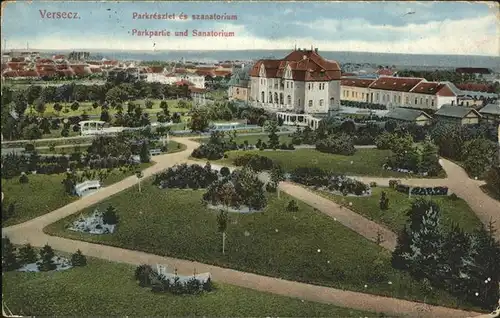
(274, 243)
(365, 162)
(252, 139)
(395, 217)
(89, 110)
(68, 149)
(105, 288)
(43, 193)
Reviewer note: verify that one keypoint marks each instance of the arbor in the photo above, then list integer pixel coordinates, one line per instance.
(27, 254)
(222, 227)
(272, 129)
(46, 263)
(9, 259)
(78, 259)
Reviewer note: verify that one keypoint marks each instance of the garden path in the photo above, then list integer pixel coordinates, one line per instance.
(32, 232)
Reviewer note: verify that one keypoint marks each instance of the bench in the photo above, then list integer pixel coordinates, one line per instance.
(83, 187)
(154, 152)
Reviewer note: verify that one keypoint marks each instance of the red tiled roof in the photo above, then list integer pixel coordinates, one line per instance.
(385, 71)
(10, 74)
(184, 82)
(226, 65)
(222, 73)
(18, 59)
(476, 87)
(197, 90)
(80, 69)
(110, 62)
(46, 67)
(16, 65)
(44, 61)
(62, 66)
(95, 69)
(58, 57)
(28, 73)
(66, 72)
(180, 70)
(305, 66)
(348, 74)
(155, 69)
(429, 88)
(400, 84)
(205, 72)
(47, 73)
(356, 82)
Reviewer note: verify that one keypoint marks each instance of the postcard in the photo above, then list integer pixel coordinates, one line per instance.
(250, 159)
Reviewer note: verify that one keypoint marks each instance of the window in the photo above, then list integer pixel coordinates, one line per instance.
(421, 100)
(262, 97)
(394, 98)
(452, 103)
(407, 100)
(377, 97)
(363, 95)
(416, 101)
(238, 91)
(286, 84)
(288, 100)
(332, 101)
(432, 102)
(426, 102)
(399, 99)
(310, 103)
(321, 102)
(291, 84)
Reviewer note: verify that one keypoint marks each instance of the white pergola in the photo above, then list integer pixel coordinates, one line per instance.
(91, 127)
(294, 119)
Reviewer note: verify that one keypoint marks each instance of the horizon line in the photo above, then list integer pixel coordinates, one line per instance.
(230, 50)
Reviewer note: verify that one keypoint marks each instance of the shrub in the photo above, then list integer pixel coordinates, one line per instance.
(271, 187)
(208, 285)
(23, 178)
(109, 216)
(493, 179)
(385, 140)
(373, 184)
(384, 201)
(224, 171)
(29, 147)
(342, 145)
(27, 255)
(208, 151)
(453, 197)
(46, 263)
(264, 145)
(78, 259)
(143, 274)
(394, 183)
(292, 206)
(291, 146)
(256, 162)
(9, 258)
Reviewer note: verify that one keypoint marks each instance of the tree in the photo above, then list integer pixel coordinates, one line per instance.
(426, 248)
(104, 116)
(199, 121)
(342, 145)
(69, 183)
(348, 127)
(176, 118)
(32, 132)
(144, 152)
(78, 259)
(478, 156)
(224, 171)
(429, 162)
(75, 106)
(9, 212)
(402, 248)
(46, 259)
(277, 175)
(493, 179)
(272, 129)
(222, 227)
(23, 178)
(27, 254)
(65, 132)
(148, 103)
(292, 206)
(384, 201)
(109, 216)
(40, 106)
(9, 259)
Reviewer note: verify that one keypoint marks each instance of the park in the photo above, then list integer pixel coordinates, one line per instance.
(338, 209)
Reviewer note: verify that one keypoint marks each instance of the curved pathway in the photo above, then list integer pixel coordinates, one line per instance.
(31, 231)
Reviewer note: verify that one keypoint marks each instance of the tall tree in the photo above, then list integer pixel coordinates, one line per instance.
(9, 258)
(222, 227)
(46, 259)
(199, 121)
(27, 254)
(272, 129)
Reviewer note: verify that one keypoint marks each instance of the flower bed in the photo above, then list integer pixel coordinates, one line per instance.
(60, 262)
(186, 176)
(337, 184)
(398, 186)
(93, 224)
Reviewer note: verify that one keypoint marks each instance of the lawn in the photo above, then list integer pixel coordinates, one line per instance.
(252, 139)
(365, 162)
(108, 289)
(89, 110)
(275, 243)
(42, 194)
(395, 217)
(68, 149)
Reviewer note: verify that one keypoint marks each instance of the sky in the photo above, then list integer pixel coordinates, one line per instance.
(465, 28)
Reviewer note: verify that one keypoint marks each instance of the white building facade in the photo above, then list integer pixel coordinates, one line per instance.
(302, 82)
(198, 81)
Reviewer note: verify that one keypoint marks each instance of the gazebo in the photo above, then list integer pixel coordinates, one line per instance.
(91, 127)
